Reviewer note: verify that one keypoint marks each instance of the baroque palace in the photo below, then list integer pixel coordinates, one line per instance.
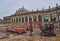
(22, 17)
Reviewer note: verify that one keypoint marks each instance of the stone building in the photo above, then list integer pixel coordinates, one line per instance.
(1, 21)
(24, 16)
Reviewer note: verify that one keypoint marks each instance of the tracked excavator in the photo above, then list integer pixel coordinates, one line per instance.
(47, 30)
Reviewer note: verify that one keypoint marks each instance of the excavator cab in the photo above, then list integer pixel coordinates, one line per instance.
(48, 30)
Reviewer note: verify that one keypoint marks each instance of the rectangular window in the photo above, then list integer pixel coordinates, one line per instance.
(14, 20)
(53, 17)
(34, 18)
(59, 18)
(30, 19)
(22, 19)
(26, 19)
(46, 18)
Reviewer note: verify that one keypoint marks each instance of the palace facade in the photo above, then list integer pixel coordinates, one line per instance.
(22, 17)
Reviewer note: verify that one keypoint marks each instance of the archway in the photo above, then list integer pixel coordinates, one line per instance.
(40, 18)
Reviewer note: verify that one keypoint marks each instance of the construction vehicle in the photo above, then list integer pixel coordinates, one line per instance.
(45, 30)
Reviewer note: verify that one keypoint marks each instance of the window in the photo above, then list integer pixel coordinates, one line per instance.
(53, 17)
(59, 24)
(40, 18)
(26, 19)
(22, 19)
(46, 18)
(14, 20)
(30, 19)
(59, 17)
(34, 18)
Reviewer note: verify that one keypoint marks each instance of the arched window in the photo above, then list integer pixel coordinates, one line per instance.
(30, 19)
(16, 20)
(34, 18)
(53, 17)
(22, 19)
(59, 25)
(59, 17)
(40, 18)
(46, 18)
(26, 19)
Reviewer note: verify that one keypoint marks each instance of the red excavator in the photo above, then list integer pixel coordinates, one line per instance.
(16, 30)
(47, 30)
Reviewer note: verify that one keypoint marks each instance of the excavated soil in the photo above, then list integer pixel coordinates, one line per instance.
(36, 36)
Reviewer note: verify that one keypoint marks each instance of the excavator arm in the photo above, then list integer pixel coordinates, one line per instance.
(39, 24)
(44, 32)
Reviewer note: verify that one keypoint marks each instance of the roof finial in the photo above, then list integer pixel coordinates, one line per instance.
(49, 7)
(56, 4)
(22, 6)
(37, 9)
(32, 10)
(42, 8)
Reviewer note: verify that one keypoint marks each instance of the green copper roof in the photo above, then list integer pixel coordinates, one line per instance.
(23, 9)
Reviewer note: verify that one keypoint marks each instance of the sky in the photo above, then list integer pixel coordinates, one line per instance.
(9, 7)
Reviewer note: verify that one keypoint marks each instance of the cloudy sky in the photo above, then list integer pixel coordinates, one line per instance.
(9, 7)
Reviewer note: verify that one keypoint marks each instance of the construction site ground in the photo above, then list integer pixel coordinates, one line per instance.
(8, 36)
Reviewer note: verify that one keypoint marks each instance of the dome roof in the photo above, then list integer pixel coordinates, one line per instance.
(23, 9)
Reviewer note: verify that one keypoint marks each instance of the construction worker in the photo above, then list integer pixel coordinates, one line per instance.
(31, 29)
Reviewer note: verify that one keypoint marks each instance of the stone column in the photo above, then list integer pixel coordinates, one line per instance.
(15, 20)
(32, 19)
(28, 18)
(57, 17)
(24, 19)
(37, 18)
